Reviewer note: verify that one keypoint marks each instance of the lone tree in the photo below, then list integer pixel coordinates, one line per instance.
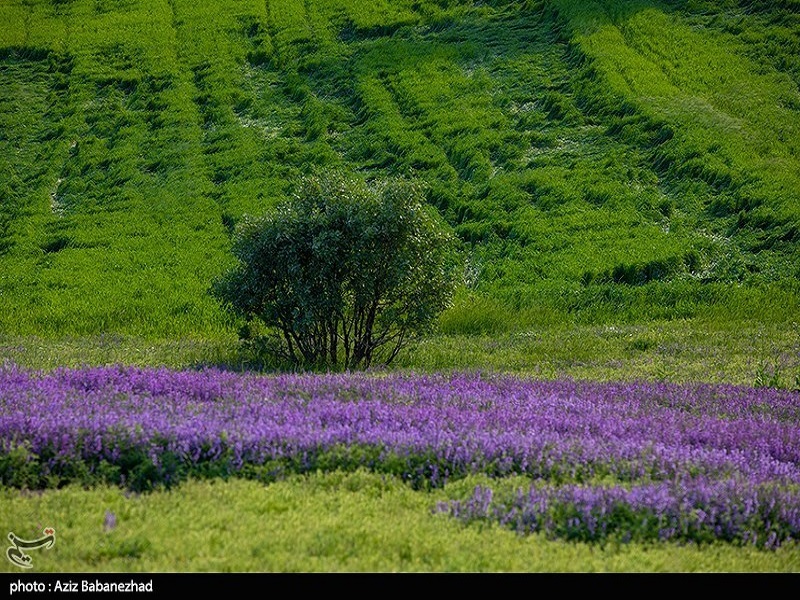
(344, 273)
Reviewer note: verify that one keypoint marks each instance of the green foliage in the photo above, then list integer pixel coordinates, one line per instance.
(325, 522)
(19, 467)
(347, 272)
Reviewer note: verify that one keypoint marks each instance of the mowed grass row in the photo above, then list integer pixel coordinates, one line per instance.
(114, 223)
(731, 117)
(600, 161)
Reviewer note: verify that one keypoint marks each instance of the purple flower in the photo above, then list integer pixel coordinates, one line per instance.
(683, 460)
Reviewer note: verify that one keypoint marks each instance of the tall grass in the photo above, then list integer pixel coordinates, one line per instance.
(599, 160)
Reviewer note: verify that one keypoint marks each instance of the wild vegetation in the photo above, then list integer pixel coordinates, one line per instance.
(342, 275)
(652, 462)
(623, 179)
(602, 162)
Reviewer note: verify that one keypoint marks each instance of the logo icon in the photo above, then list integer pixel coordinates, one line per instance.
(16, 554)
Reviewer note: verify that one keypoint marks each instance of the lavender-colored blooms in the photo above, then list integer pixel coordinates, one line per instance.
(732, 453)
(701, 510)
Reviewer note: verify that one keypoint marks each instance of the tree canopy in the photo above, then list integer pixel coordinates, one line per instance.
(345, 272)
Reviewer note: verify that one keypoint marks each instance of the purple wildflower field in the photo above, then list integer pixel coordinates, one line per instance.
(655, 461)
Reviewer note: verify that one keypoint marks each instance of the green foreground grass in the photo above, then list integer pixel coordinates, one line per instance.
(740, 352)
(334, 522)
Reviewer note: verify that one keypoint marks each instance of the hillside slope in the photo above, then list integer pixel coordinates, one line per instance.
(602, 161)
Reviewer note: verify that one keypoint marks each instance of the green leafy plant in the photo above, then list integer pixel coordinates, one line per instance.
(345, 272)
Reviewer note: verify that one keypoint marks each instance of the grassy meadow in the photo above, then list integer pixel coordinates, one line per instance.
(356, 522)
(623, 175)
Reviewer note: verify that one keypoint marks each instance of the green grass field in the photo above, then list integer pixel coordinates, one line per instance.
(625, 161)
(624, 176)
(357, 522)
